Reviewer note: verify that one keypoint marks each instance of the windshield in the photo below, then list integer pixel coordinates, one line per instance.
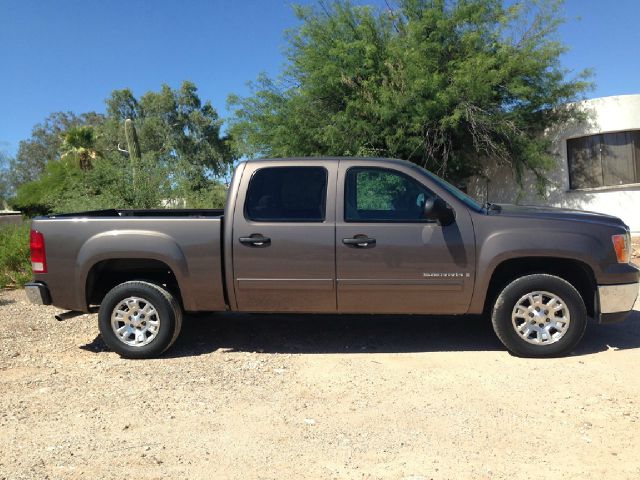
(456, 192)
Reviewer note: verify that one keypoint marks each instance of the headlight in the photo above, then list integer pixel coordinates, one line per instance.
(622, 247)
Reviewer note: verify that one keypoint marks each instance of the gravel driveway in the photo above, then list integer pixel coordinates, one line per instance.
(257, 397)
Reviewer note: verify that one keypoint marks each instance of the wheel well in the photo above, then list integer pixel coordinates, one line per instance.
(106, 274)
(577, 273)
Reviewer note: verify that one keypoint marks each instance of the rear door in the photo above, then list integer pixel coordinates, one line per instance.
(284, 237)
(389, 258)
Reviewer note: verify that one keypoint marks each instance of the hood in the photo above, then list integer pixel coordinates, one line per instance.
(553, 213)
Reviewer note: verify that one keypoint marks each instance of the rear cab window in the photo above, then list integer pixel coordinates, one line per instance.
(287, 194)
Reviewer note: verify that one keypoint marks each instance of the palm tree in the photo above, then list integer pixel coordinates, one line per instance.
(80, 143)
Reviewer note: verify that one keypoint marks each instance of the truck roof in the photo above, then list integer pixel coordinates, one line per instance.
(331, 159)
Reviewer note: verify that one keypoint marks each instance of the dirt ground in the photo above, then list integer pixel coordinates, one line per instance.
(256, 397)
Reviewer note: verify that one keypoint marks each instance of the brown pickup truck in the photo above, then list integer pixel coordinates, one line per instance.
(338, 235)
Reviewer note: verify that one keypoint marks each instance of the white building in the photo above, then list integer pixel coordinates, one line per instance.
(598, 165)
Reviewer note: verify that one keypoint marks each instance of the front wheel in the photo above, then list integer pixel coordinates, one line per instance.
(139, 319)
(539, 316)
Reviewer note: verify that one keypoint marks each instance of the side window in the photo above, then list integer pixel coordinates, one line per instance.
(380, 195)
(606, 159)
(287, 194)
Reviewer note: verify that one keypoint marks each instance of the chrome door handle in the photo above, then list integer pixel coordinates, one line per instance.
(359, 242)
(255, 240)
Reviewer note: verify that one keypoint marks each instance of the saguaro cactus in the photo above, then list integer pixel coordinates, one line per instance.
(134, 147)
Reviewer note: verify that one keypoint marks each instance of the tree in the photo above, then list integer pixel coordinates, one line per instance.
(59, 182)
(81, 163)
(79, 143)
(177, 133)
(45, 144)
(448, 85)
(173, 124)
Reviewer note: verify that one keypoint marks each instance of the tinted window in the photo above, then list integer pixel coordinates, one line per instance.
(287, 194)
(607, 159)
(379, 195)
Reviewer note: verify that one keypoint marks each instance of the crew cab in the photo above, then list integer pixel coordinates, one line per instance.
(338, 236)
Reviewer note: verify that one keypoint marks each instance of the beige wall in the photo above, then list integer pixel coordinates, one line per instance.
(608, 114)
(10, 219)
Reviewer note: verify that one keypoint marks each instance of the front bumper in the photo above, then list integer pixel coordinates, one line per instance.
(616, 301)
(38, 293)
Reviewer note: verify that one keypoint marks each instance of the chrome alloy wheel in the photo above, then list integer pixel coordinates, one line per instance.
(541, 318)
(135, 321)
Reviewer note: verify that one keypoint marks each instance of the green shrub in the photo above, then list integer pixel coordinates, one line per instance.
(15, 263)
(213, 195)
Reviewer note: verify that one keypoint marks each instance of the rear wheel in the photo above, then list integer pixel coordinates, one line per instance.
(139, 319)
(539, 316)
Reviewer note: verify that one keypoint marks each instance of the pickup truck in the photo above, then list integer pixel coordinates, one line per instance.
(338, 236)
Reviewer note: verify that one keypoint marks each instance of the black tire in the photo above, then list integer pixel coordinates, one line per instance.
(503, 323)
(168, 316)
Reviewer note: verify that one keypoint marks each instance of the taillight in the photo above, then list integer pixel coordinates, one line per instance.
(38, 254)
(622, 246)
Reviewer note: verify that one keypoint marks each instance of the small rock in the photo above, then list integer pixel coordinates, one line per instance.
(309, 421)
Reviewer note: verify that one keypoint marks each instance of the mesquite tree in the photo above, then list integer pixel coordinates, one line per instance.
(448, 85)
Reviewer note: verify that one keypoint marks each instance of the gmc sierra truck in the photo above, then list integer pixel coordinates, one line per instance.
(338, 235)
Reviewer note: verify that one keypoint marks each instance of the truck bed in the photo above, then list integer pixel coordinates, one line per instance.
(104, 243)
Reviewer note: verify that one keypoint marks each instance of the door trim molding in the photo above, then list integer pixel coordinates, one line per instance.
(450, 284)
(286, 283)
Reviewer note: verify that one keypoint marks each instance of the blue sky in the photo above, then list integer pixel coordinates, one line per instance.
(70, 54)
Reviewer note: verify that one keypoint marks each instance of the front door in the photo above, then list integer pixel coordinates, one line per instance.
(389, 258)
(283, 238)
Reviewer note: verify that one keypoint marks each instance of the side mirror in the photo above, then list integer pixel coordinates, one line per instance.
(439, 210)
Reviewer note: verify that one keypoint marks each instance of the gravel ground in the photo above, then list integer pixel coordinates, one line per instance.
(316, 397)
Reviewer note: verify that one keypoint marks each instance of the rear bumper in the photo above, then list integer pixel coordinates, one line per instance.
(616, 301)
(38, 293)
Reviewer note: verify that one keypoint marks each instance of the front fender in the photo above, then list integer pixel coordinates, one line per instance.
(501, 246)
